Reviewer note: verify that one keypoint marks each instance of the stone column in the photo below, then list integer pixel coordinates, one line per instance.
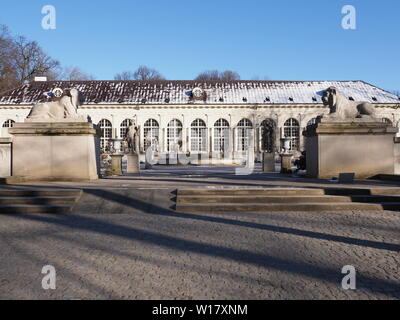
(188, 147)
(163, 142)
(211, 141)
(230, 141)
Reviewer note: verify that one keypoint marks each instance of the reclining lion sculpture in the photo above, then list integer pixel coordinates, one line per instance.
(62, 109)
(342, 108)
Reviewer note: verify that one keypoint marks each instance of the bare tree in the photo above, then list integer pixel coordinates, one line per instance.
(74, 74)
(229, 75)
(29, 60)
(125, 75)
(145, 73)
(215, 75)
(142, 73)
(258, 78)
(396, 92)
(208, 75)
(8, 77)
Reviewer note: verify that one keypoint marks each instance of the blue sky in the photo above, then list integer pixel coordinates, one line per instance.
(281, 40)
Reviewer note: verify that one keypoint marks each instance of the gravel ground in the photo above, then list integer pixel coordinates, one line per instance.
(161, 254)
(123, 241)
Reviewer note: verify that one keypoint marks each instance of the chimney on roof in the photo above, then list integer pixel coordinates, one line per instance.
(40, 79)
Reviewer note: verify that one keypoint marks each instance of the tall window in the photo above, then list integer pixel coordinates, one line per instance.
(198, 135)
(291, 130)
(123, 128)
(151, 131)
(106, 134)
(221, 135)
(174, 135)
(268, 131)
(8, 123)
(243, 134)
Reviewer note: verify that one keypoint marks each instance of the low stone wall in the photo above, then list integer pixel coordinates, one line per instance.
(5, 157)
(397, 155)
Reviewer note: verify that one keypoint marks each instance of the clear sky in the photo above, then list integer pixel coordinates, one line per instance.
(280, 40)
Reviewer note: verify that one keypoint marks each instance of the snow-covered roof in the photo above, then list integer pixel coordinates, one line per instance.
(216, 92)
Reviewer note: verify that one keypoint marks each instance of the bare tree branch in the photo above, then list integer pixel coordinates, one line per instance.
(74, 74)
(145, 73)
(142, 73)
(215, 75)
(125, 75)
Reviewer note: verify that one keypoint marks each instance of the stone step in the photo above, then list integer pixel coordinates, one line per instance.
(38, 200)
(357, 191)
(237, 192)
(290, 191)
(284, 199)
(27, 209)
(40, 193)
(271, 207)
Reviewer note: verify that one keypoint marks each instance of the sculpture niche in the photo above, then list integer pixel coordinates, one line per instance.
(63, 109)
(342, 108)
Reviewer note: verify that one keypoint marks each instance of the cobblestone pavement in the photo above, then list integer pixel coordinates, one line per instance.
(152, 252)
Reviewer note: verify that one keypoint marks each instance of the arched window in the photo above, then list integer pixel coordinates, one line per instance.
(243, 134)
(174, 135)
(292, 130)
(151, 131)
(123, 128)
(221, 135)
(106, 134)
(198, 135)
(8, 123)
(267, 132)
(386, 120)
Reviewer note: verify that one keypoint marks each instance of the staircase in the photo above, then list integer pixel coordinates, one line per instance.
(38, 201)
(287, 199)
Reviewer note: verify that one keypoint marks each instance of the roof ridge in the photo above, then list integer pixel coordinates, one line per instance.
(217, 91)
(205, 81)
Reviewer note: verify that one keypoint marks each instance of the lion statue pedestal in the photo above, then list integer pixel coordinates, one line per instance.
(350, 139)
(55, 143)
(363, 148)
(58, 151)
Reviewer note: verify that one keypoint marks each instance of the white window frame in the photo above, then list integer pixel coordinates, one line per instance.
(198, 136)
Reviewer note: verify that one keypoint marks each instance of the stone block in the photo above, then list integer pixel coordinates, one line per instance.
(133, 164)
(268, 162)
(363, 148)
(55, 151)
(5, 157)
(286, 162)
(116, 164)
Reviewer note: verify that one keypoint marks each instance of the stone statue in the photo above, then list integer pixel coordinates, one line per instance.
(132, 137)
(62, 109)
(342, 108)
